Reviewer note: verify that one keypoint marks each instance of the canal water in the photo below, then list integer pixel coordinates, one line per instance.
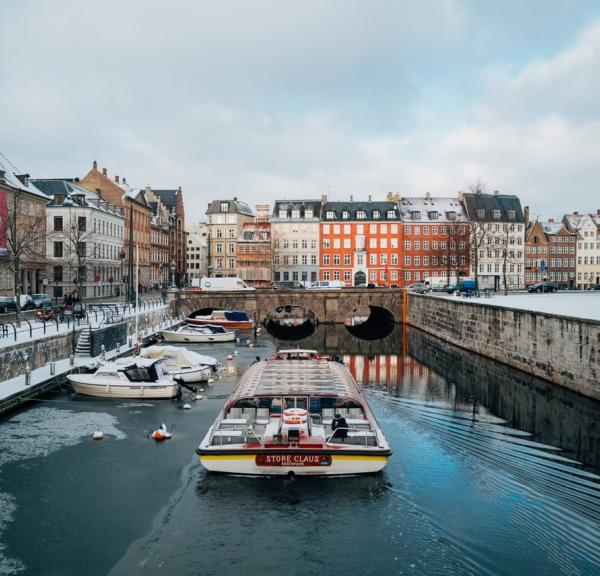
(494, 473)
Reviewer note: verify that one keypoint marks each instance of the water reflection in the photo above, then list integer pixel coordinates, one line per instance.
(440, 376)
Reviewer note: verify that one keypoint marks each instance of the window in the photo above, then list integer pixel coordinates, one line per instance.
(347, 229)
(325, 259)
(347, 243)
(360, 228)
(383, 259)
(391, 215)
(58, 223)
(426, 230)
(313, 259)
(295, 244)
(383, 228)
(376, 215)
(346, 259)
(231, 263)
(325, 228)
(295, 214)
(496, 214)
(347, 276)
(224, 206)
(304, 244)
(361, 215)
(336, 229)
(330, 215)
(58, 273)
(308, 213)
(433, 215)
(407, 245)
(512, 214)
(336, 275)
(58, 249)
(372, 242)
(326, 275)
(82, 223)
(407, 260)
(336, 243)
(415, 215)
(313, 244)
(383, 242)
(373, 259)
(345, 214)
(283, 214)
(480, 213)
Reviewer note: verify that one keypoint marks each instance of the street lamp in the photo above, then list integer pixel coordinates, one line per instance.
(173, 269)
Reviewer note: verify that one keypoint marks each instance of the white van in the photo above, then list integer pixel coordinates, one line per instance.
(326, 285)
(220, 284)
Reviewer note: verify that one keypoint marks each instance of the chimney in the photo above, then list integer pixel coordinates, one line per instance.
(526, 214)
(496, 192)
(179, 189)
(351, 198)
(124, 180)
(23, 178)
(324, 198)
(104, 171)
(550, 220)
(428, 195)
(370, 198)
(117, 179)
(95, 165)
(2, 175)
(575, 213)
(598, 211)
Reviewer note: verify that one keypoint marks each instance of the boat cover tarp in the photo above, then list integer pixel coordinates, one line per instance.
(236, 316)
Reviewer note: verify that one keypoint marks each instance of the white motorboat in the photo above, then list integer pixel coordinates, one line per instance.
(181, 363)
(127, 378)
(279, 420)
(199, 334)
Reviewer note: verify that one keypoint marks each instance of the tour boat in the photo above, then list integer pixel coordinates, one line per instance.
(127, 378)
(226, 318)
(181, 363)
(199, 334)
(278, 420)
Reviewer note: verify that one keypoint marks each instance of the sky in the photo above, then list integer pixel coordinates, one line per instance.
(273, 99)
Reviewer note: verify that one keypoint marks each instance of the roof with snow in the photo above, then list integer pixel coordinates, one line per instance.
(233, 206)
(14, 178)
(431, 209)
(493, 207)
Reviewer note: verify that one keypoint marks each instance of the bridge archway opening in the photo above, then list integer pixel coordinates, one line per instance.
(370, 323)
(291, 322)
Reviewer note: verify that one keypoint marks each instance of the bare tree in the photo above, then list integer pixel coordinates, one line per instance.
(454, 250)
(507, 252)
(24, 240)
(477, 233)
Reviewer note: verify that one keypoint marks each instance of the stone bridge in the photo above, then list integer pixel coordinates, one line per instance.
(329, 306)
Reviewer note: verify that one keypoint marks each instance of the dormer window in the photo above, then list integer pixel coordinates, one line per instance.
(512, 214)
(361, 215)
(330, 215)
(296, 214)
(496, 214)
(283, 214)
(391, 214)
(415, 215)
(376, 215)
(480, 213)
(451, 215)
(433, 215)
(224, 206)
(308, 213)
(345, 214)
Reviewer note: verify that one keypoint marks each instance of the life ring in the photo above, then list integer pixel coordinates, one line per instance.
(295, 416)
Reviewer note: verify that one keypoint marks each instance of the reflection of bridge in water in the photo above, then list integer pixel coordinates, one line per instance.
(439, 374)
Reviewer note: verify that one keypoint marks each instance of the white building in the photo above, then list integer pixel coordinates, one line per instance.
(587, 268)
(295, 240)
(498, 224)
(84, 241)
(197, 251)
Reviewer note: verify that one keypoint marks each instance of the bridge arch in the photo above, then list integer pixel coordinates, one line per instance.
(379, 323)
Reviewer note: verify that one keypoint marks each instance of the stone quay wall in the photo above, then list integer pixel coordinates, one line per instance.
(560, 349)
(40, 351)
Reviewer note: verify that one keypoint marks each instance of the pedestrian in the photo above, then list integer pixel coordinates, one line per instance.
(257, 360)
(339, 427)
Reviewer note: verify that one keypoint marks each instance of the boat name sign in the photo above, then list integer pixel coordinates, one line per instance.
(293, 460)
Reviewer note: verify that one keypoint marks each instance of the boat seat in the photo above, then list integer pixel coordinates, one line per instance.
(343, 412)
(327, 415)
(235, 413)
(262, 416)
(249, 414)
(356, 413)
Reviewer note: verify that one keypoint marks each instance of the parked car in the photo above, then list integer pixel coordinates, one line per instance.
(288, 285)
(543, 287)
(41, 300)
(326, 285)
(7, 305)
(26, 302)
(594, 287)
(465, 286)
(418, 288)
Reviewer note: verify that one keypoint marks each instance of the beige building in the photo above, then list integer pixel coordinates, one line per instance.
(197, 251)
(587, 268)
(225, 219)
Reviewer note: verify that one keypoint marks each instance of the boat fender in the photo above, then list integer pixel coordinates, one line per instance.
(161, 433)
(97, 435)
(198, 397)
(201, 389)
(187, 406)
(250, 345)
(211, 380)
(229, 357)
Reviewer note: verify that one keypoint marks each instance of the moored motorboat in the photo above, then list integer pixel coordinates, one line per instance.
(199, 334)
(127, 378)
(226, 318)
(181, 363)
(278, 420)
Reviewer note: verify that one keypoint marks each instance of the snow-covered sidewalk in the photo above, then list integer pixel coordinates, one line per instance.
(575, 304)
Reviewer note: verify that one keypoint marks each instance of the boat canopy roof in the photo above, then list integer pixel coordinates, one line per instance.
(277, 377)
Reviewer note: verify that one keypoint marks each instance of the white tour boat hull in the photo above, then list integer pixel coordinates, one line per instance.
(120, 391)
(171, 336)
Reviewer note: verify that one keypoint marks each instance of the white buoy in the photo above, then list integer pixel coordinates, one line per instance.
(187, 406)
(229, 357)
(161, 433)
(250, 345)
(237, 339)
(198, 397)
(236, 352)
(201, 389)
(211, 380)
(98, 435)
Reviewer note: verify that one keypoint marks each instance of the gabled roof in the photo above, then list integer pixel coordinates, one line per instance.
(490, 202)
(235, 206)
(15, 178)
(353, 208)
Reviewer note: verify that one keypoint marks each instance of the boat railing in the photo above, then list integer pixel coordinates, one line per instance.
(361, 432)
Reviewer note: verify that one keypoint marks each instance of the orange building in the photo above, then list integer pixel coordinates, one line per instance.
(360, 243)
(138, 214)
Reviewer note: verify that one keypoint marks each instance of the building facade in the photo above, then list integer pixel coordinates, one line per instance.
(295, 226)
(550, 254)
(84, 239)
(435, 239)
(160, 237)
(197, 252)
(360, 243)
(587, 266)
(497, 239)
(225, 219)
(138, 215)
(253, 254)
(22, 233)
